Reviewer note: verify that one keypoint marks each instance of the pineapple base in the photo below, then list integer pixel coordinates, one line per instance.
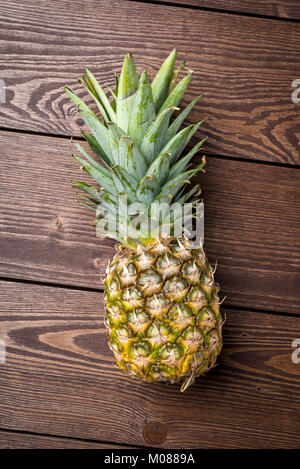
(163, 315)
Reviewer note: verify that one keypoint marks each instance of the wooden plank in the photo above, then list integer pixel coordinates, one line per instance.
(277, 8)
(60, 379)
(251, 224)
(245, 66)
(15, 440)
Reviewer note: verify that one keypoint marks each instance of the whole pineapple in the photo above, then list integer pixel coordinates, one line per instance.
(162, 303)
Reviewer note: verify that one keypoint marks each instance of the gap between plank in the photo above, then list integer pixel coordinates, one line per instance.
(213, 155)
(24, 432)
(101, 290)
(217, 10)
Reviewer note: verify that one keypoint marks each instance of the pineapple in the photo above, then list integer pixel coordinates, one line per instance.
(163, 317)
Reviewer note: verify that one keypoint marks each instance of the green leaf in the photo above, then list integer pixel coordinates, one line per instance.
(132, 160)
(88, 205)
(161, 82)
(182, 198)
(100, 95)
(102, 177)
(123, 146)
(174, 127)
(83, 186)
(124, 182)
(127, 87)
(115, 93)
(107, 199)
(143, 111)
(116, 84)
(90, 199)
(155, 136)
(99, 131)
(147, 189)
(115, 133)
(176, 145)
(175, 76)
(83, 80)
(183, 162)
(172, 186)
(95, 147)
(160, 168)
(175, 96)
(88, 157)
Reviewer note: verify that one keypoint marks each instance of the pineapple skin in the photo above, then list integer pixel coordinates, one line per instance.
(163, 315)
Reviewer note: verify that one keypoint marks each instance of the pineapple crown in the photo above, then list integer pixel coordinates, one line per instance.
(137, 152)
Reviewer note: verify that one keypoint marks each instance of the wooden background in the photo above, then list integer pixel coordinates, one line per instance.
(59, 387)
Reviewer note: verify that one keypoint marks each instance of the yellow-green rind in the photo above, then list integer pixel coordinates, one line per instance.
(163, 316)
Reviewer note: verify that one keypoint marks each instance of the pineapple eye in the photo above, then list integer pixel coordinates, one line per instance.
(131, 294)
(199, 255)
(196, 294)
(206, 320)
(114, 284)
(123, 332)
(207, 279)
(158, 329)
(163, 372)
(116, 310)
(144, 260)
(149, 277)
(189, 268)
(128, 270)
(115, 344)
(212, 339)
(170, 353)
(157, 301)
(137, 317)
(175, 248)
(141, 348)
(192, 335)
(179, 312)
(146, 255)
(166, 261)
(175, 284)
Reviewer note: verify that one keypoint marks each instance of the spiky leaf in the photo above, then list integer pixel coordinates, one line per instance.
(183, 162)
(160, 168)
(155, 137)
(95, 147)
(99, 131)
(174, 127)
(147, 189)
(175, 96)
(143, 111)
(127, 87)
(102, 177)
(161, 82)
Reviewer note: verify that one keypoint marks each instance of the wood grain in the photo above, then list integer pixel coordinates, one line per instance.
(245, 66)
(60, 379)
(278, 8)
(15, 440)
(251, 224)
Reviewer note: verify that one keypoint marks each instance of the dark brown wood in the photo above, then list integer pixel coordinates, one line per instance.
(60, 379)
(251, 224)
(278, 8)
(15, 440)
(245, 66)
